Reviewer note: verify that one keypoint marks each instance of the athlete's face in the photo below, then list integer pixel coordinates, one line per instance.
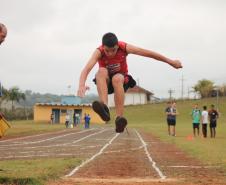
(110, 52)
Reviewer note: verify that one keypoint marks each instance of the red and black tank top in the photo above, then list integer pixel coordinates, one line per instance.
(116, 64)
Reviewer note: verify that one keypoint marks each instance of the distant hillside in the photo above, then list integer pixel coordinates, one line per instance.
(33, 97)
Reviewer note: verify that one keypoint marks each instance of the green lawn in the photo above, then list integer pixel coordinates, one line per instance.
(150, 117)
(35, 171)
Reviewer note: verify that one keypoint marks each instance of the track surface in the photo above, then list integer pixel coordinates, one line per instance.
(109, 158)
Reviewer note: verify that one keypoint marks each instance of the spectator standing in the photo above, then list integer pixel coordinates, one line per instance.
(204, 121)
(67, 120)
(196, 117)
(213, 116)
(87, 120)
(171, 113)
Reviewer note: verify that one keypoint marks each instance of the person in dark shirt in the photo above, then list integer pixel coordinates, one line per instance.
(213, 116)
(171, 113)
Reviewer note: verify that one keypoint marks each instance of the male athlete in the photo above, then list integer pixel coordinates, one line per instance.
(112, 75)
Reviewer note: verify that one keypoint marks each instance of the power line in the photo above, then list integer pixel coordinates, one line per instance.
(182, 86)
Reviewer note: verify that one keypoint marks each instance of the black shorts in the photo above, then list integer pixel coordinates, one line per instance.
(171, 122)
(129, 82)
(213, 124)
(196, 125)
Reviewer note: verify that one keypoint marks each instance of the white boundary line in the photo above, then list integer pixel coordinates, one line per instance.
(42, 155)
(37, 135)
(184, 166)
(64, 144)
(93, 157)
(149, 157)
(48, 139)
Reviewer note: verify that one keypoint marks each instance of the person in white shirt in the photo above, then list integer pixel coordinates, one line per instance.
(204, 121)
(67, 120)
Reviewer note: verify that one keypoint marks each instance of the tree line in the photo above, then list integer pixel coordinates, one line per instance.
(16, 104)
(206, 88)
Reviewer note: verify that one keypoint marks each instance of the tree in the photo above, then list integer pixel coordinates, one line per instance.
(14, 94)
(204, 88)
(222, 90)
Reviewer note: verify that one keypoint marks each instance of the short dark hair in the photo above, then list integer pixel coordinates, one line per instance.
(109, 40)
(204, 107)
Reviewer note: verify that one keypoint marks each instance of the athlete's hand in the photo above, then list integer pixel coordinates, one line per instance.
(82, 90)
(176, 64)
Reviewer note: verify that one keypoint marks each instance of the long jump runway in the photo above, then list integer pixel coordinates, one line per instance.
(108, 157)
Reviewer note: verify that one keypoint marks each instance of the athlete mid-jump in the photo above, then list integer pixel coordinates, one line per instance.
(113, 77)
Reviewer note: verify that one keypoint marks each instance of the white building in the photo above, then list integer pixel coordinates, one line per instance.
(134, 96)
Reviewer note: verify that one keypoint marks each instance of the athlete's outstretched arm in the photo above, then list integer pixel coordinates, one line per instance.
(88, 67)
(151, 54)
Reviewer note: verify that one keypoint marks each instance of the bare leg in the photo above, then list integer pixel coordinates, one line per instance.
(211, 132)
(214, 132)
(169, 130)
(173, 130)
(101, 82)
(119, 95)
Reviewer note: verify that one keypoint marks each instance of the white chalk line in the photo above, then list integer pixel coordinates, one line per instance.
(121, 181)
(43, 155)
(150, 158)
(49, 139)
(190, 166)
(126, 150)
(19, 156)
(93, 157)
(64, 144)
(41, 141)
(37, 135)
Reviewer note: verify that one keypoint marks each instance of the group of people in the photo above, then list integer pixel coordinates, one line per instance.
(204, 117)
(76, 116)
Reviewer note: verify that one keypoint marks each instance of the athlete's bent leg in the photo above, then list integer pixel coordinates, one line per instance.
(101, 82)
(119, 95)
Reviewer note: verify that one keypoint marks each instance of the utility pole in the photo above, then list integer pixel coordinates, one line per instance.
(69, 90)
(170, 91)
(189, 91)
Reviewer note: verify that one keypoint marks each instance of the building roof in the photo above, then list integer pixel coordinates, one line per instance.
(61, 104)
(71, 100)
(138, 89)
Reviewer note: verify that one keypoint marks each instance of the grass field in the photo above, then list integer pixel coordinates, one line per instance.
(150, 118)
